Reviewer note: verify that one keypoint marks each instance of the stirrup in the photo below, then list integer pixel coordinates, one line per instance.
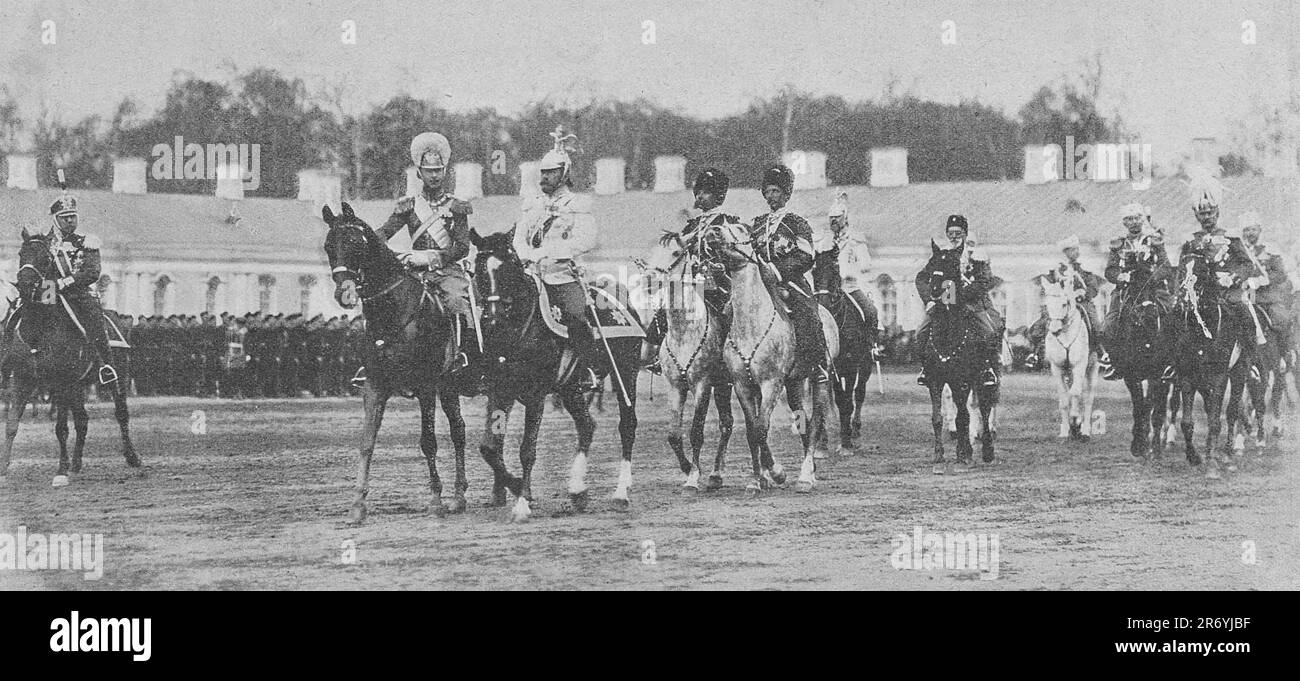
(654, 367)
(359, 380)
(458, 363)
(922, 379)
(592, 384)
(1168, 374)
(107, 374)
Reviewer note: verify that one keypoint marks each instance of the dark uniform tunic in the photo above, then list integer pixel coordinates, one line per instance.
(1225, 255)
(440, 226)
(785, 240)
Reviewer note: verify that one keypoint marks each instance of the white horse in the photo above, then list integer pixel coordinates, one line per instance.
(1071, 357)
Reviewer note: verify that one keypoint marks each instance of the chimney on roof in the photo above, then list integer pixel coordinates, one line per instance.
(809, 169)
(22, 172)
(230, 181)
(320, 187)
(609, 175)
(530, 178)
(1042, 163)
(888, 167)
(670, 174)
(129, 175)
(468, 180)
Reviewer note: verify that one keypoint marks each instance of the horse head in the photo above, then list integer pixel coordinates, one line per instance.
(35, 266)
(1059, 299)
(358, 257)
(944, 276)
(500, 278)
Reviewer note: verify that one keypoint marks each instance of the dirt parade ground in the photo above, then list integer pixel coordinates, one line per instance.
(254, 495)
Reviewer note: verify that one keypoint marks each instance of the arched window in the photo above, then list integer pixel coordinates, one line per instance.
(160, 295)
(888, 300)
(305, 285)
(265, 293)
(213, 295)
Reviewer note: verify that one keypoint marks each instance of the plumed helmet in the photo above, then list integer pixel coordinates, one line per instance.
(713, 181)
(564, 143)
(781, 176)
(1206, 191)
(430, 150)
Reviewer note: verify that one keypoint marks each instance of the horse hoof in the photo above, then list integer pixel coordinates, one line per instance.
(498, 499)
(580, 500)
(357, 515)
(521, 511)
(458, 505)
(61, 481)
(753, 490)
(1260, 444)
(689, 491)
(1212, 474)
(714, 483)
(620, 504)
(820, 453)
(76, 468)
(845, 451)
(778, 477)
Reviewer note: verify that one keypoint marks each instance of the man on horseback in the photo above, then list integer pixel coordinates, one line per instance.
(1274, 291)
(437, 226)
(553, 230)
(77, 257)
(1086, 286)
(1230, 265)
(710, 190)
(973, 293)
(783, 241)
(847, 258)
(1135, 259)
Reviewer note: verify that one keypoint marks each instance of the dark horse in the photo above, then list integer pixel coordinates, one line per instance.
(405, 350)
(859, 336)
(1141, 347)
(524, 362)
(57, 359)
(953, 357)
(1206, 354)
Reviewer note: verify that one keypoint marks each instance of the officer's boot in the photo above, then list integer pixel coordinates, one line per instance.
(584, 347)
(460, 359)
(654, 336)
(99, 343)
(918, 342)
(992, 357)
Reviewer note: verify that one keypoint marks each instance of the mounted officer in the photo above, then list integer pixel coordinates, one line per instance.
(849, 258)
(77, 257)
(783, 240)
(1087, 286)
(973, 293)
(553, 230)
(1137, 262)
(1231, 267)
(1274, 291)
(710, 189)
(437, 228)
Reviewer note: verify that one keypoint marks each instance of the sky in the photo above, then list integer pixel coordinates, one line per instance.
(1172, 69)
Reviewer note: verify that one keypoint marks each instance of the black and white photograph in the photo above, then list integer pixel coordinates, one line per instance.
(664, 295)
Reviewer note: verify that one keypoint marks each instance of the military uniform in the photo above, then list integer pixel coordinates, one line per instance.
(852, 265)
(676, 245)
(973, 294)
(77, 258)
(784, 240)
(1229, 269)
(551, 233)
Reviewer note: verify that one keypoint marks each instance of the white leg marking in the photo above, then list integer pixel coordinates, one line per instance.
(578, 473)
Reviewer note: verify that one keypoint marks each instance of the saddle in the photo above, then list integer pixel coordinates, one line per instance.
(615, 320)
(116, 338)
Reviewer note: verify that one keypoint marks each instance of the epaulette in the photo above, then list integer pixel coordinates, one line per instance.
(461, 207)
(404, 204)
(91, 242)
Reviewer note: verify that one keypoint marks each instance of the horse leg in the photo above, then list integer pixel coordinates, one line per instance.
(677, 400)
(937, 421)
(1213, 399)
(492, 450)
(123, 416)
(965, 453)
(988, 421)
(751, 402)
(1235, 439)
(58, 399)
(450, 400)
(860, 397)
(16, 398)
(374, 402)
(1090, 374)
(771, 471)
(1158, 402)
(1062, 399)
(1186, 403)
(578, 407)
(726, 422)
(80, 421)
(534, 409)
(1079, 427)
(428, 398)
(627, 424)
(1259, 402)
(808, 468)
(844, 390)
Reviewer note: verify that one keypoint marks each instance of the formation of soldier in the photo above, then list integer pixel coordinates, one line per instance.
(254, 355)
